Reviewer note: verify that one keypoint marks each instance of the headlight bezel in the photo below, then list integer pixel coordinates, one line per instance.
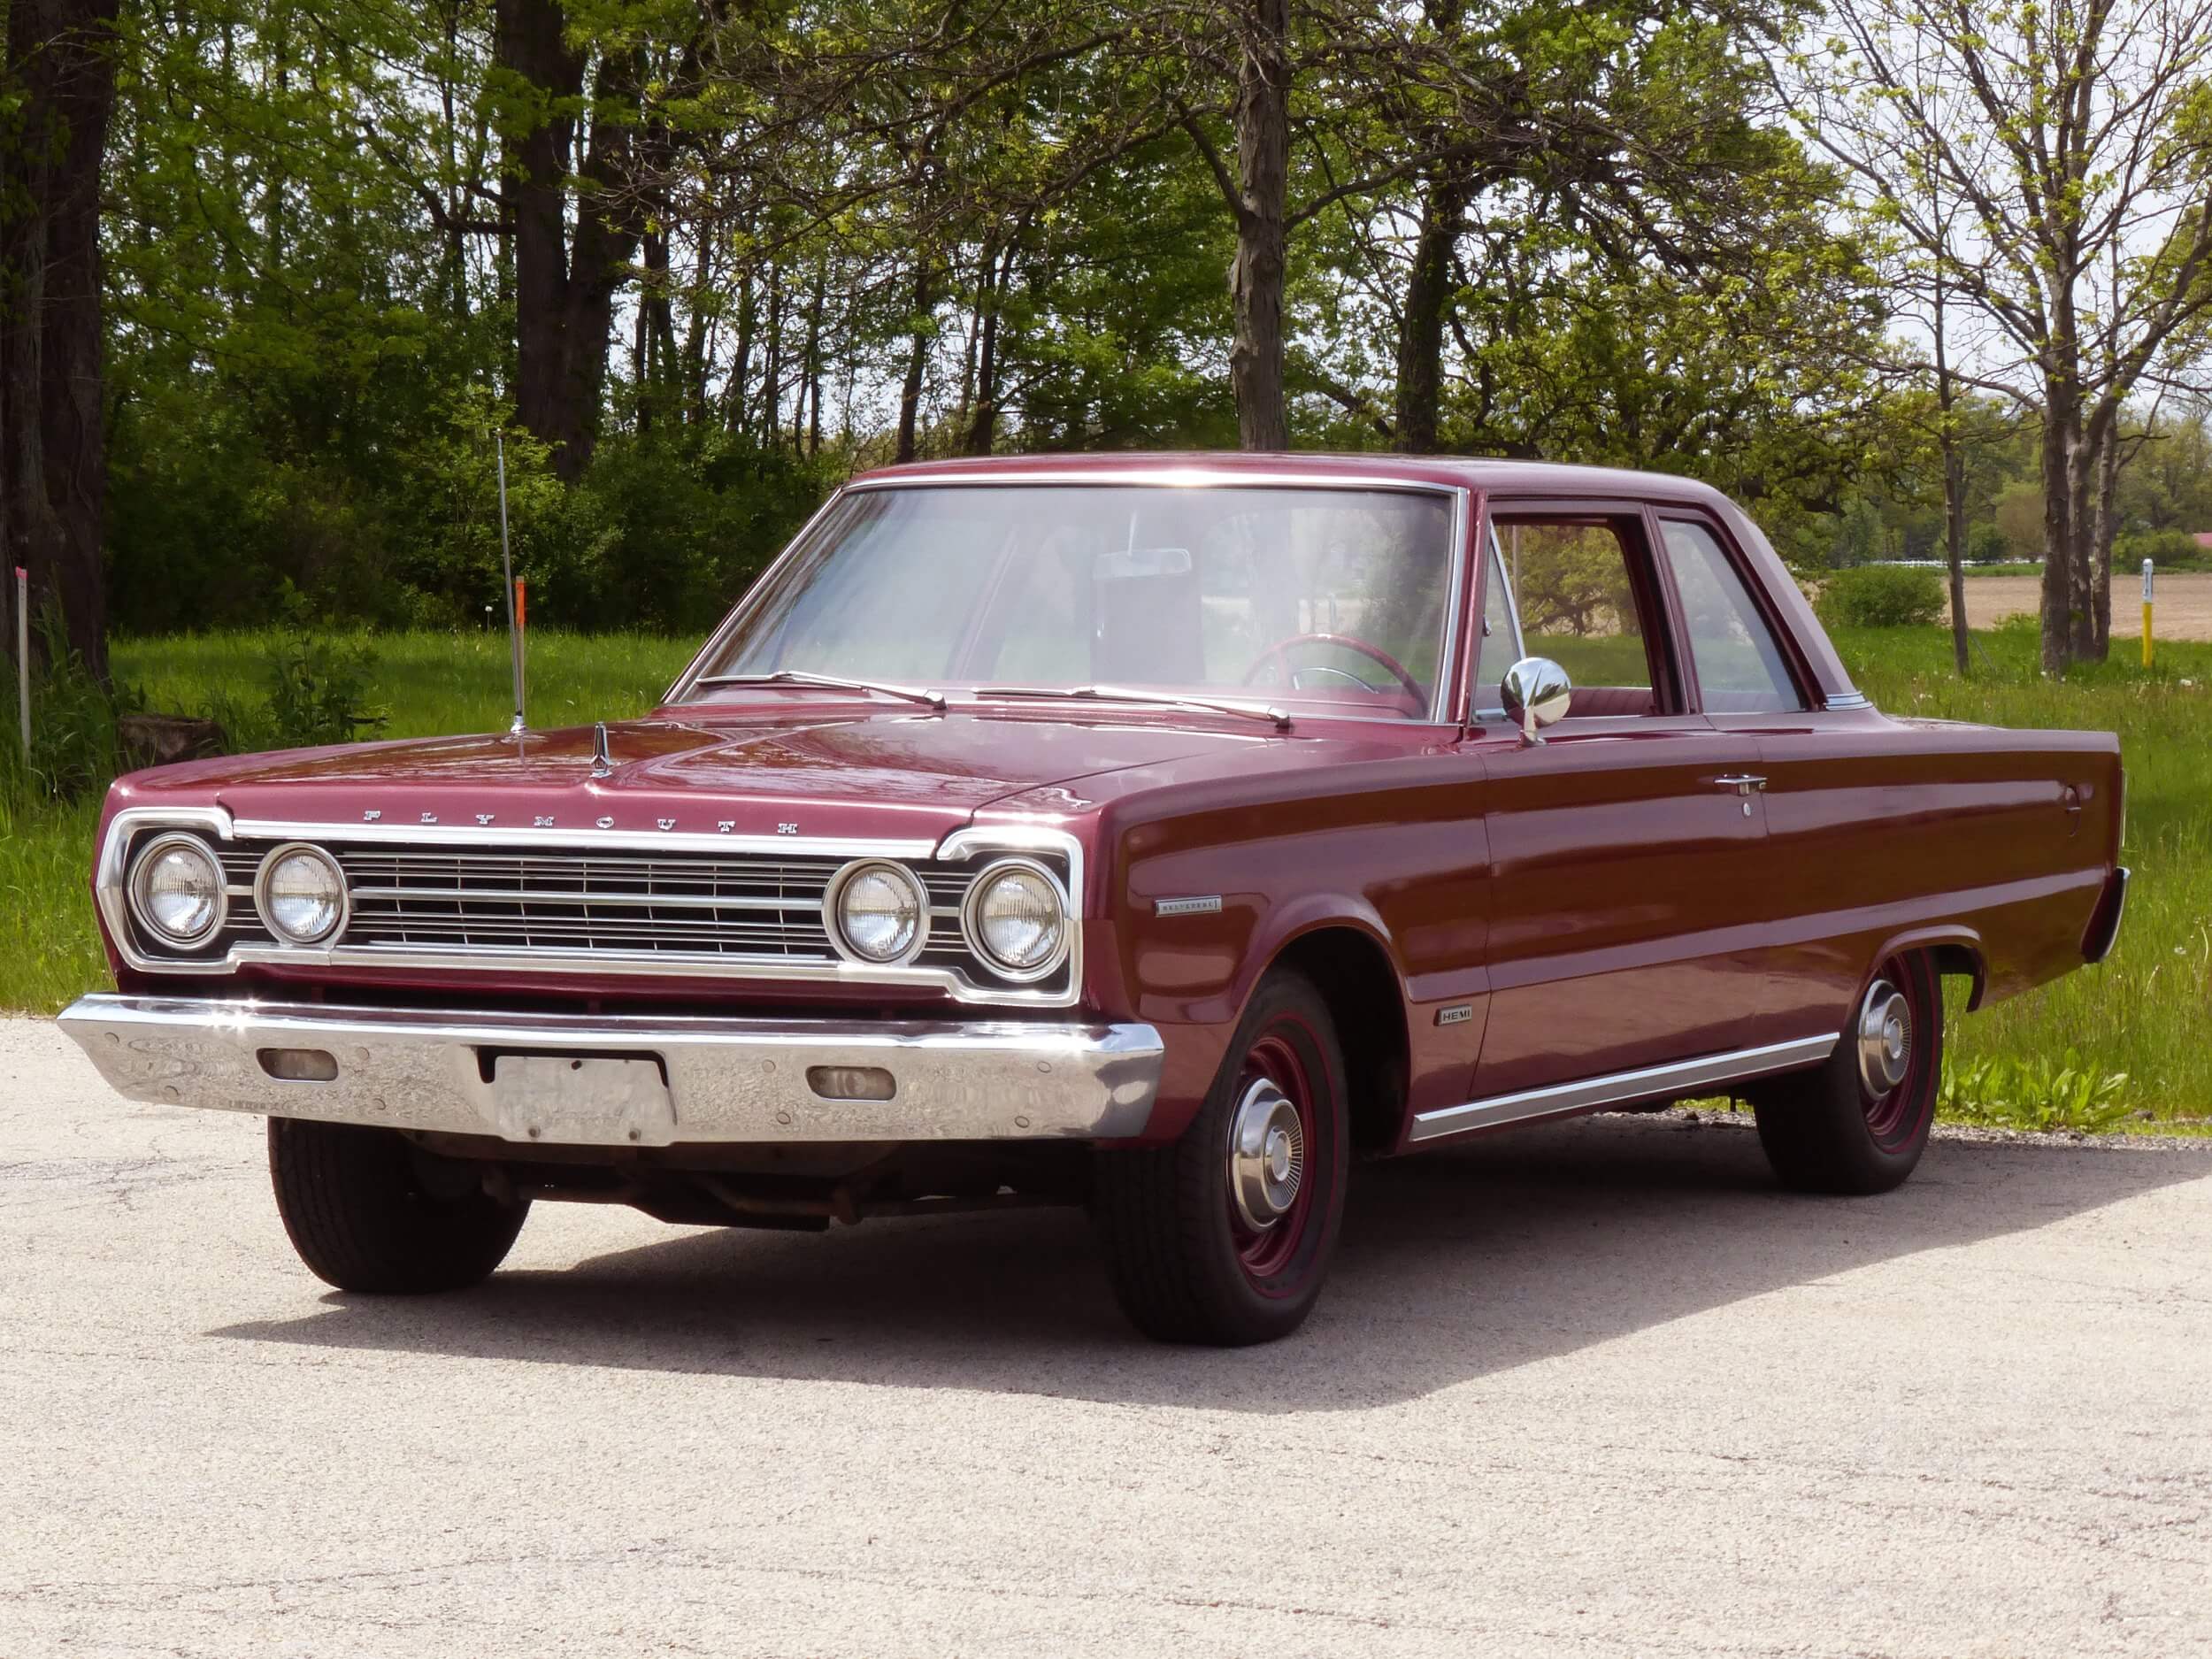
(265, 910)
(972, 924)
(834, 912)
(143, 857)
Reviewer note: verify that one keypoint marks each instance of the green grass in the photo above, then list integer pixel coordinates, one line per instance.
(428, 685)
(2047, 1057)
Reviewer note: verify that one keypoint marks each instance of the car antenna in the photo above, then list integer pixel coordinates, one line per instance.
(507, 570)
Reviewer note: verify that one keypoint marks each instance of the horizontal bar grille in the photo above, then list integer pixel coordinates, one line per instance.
(738, 907)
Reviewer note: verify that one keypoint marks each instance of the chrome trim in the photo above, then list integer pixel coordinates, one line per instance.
(1267, 1155)
(2097, 945)
(972, 933)
(958, 847)
(1885, 1035)
(261, 895)
(135, 900)
(1846, 699)
(833, 913)
(728, 1080)
(1621, 1087)
(1196, 904)
(1446, 701)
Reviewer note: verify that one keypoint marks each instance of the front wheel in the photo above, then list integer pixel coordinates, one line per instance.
(1859, 1123)
(1225, 1237)
(367, 1211)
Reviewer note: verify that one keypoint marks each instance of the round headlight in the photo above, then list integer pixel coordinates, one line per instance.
(177, 890)
(1017, 919)
(881, 914)
(302, 894)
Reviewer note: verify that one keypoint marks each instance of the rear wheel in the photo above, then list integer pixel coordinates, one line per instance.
(368, 1212)
(1226, 1236)
(1859, 1123)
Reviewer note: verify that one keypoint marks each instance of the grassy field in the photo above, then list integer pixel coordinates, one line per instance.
(2051, 1056)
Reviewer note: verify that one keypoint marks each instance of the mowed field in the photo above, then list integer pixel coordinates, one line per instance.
(2121, 1044)
(2183, 604)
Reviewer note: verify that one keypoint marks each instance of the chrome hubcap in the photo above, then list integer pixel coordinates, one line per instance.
(1267, 1155)
(1885, 1038)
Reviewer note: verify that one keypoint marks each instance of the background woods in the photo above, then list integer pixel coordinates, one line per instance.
(272, 272)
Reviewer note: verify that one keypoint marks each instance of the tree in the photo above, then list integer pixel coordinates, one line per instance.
(57, 93)
(2075, 139)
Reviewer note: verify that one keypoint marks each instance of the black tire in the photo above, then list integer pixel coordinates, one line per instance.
(1184, 1267)
(362, 1216)
(1825, 1131)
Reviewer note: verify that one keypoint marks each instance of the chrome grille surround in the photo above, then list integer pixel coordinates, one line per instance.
(604, 903)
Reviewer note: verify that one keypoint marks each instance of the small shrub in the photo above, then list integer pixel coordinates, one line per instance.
(2165, 548)
(319, 693)
(2035, 1093)
(1881, 597)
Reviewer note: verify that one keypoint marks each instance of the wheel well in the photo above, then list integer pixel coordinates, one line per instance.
(1355, 976)
(1965, 960)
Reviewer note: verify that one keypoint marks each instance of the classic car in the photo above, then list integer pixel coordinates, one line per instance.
(1161, 835)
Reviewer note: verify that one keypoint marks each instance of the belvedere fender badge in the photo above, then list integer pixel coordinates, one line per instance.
(1205, 905)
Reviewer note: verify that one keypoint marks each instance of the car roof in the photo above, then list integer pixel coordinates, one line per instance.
(1499, 476)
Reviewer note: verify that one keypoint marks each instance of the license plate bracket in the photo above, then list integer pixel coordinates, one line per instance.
(581, 1099)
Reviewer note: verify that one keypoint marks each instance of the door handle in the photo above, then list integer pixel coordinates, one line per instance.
(1742, 783)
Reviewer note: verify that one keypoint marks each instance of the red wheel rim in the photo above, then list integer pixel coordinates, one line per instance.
(1895, 1115)
(1265, 1253)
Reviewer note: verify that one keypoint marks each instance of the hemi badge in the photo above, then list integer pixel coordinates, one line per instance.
(1458, 1014)
(1210, 905)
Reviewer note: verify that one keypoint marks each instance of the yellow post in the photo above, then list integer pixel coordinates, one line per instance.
(2147, 613)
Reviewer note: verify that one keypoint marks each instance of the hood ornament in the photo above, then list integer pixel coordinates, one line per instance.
(601, 762)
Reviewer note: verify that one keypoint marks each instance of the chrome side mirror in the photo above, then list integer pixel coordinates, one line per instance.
(1536, 691)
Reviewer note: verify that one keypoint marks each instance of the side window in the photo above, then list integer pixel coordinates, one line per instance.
(1576, 593)
(1501, 633)
(1739, 668)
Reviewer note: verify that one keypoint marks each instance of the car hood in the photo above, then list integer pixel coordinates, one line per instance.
(893, 776)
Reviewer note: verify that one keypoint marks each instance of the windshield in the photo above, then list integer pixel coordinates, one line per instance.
(1329, 600)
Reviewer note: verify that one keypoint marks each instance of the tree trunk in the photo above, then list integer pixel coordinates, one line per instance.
(916, 361)
(565, 285)
(58, 71)
(2102, 526)
(2061, 423)
(982, 430)
(1421, 332)
(1262, 117)
(1953, 487)
(2081, 487)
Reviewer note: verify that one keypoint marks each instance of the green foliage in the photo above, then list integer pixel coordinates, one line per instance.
(2167, 550)
(2035, 1093)
(319, 691)
(1881, 597)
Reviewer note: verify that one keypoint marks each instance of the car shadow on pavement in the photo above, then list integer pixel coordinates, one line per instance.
(1508, 1250)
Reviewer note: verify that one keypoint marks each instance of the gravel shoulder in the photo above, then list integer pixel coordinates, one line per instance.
(1592, 1389)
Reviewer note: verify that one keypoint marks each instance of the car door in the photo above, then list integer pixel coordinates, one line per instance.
(1622, 916)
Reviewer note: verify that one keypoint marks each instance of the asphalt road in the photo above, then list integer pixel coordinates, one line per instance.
(1595, 1389)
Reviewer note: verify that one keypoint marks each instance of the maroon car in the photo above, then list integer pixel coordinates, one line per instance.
(1158, 833)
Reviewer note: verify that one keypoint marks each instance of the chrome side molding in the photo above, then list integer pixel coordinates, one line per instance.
(1620, 1088)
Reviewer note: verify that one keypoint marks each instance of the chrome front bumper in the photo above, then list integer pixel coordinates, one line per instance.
(504, 1074)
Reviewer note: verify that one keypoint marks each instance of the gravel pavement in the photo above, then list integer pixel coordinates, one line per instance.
(1592, 1389)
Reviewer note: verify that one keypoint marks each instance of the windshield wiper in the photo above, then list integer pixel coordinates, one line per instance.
(1273, 715)
(835, 682)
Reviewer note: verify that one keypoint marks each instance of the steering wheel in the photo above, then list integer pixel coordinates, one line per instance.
(1280, 652)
